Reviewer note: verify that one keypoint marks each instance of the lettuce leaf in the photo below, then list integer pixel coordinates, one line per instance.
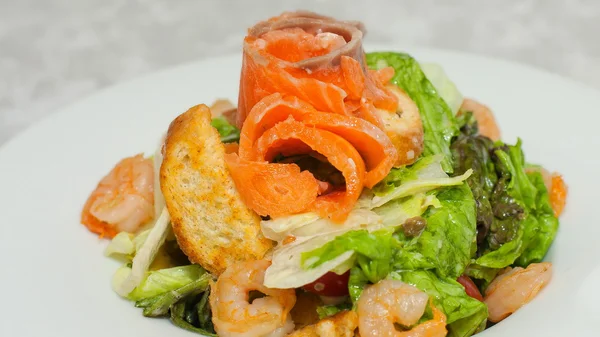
(447, 240)
(513, 204)
(444, 86)
(330, 310)
(356, 283)
(485, 274)
(121, 247)
(473, 152)
(439, 124)
(510, 158)
(145, 253)
(160, 281)
(423, 176)
(228, 132)
(538, 236)
(288, 269)
(464, 314)
(372, 250)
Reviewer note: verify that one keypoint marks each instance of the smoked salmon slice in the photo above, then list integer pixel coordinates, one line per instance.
(305, 89)
(317, 59)
(374, 146)
(272, 189)
(283, 137)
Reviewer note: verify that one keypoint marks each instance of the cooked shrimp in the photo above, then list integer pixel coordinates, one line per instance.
(404, 127)
(388, 302)
(557, 189)
(515, 288)
(234, 315)
(123, 200)
(484, 116)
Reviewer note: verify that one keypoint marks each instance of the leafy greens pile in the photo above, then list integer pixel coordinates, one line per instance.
(500, 217)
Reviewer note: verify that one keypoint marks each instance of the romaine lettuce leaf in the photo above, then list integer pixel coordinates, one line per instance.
(423, 176)
(464, 314)
(510, 158)
(145, 254)
(159, 305)
(330, 310)
(447, 240)
(524, 225)
(160, 281)
(439, 124)
(121, 246)
(444, 86)
(287, 271)
(228, 132)
(473, 152)
(485, 274)
(356, 283)
(539, 236)
(372, 250)
(369, 246)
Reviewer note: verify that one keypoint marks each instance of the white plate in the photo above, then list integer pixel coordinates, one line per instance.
(55, 280)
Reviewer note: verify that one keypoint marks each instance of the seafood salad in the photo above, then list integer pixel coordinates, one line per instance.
(347, 193)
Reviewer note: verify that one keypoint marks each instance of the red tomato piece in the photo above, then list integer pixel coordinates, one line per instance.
(330, 284)
(470, 287)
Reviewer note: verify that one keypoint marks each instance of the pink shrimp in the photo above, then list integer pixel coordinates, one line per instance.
(485, 118)
(388, 302)
(123, 200)
(233, 313)
(515, 288)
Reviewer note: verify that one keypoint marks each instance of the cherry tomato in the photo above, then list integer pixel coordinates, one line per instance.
(330, 284)
(470, 287)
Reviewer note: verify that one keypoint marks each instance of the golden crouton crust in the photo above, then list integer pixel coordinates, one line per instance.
(342, 324)
(213, 227)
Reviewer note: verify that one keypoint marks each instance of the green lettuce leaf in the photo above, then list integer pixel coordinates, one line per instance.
(538, 236)
(121, 247)
(373, 252)
(446, 243)
(423, 176)
(160, 281)
(438, 120)
(193, 313)
(511, 159)
(356, 283)
(485, 274)
(228, 132)
(159, 305)
(464, 314)
(513, 201)
(330, 310)
(473, 152)
(444, 86)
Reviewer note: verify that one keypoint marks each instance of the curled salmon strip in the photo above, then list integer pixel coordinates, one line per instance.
(293, 137)
(272, 189)
(374, 146)
(315, 58)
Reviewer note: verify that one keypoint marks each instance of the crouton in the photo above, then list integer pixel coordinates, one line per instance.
(342, 324)
(213, 227)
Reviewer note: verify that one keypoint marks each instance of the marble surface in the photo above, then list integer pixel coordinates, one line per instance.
(53, 52)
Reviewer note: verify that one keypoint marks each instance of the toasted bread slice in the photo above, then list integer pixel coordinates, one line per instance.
(342, 324)
(213, 227)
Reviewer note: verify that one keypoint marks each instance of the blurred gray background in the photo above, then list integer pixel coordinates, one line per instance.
(53, 52)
